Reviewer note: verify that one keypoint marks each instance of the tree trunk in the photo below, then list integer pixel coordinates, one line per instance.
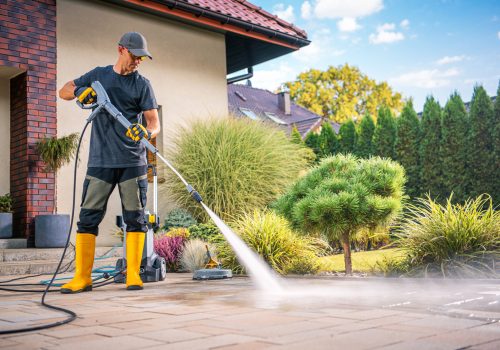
(347, 253)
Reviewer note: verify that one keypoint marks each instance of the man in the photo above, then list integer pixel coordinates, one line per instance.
(115, 158)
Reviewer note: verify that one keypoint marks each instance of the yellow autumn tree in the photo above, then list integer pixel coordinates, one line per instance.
(342, 93)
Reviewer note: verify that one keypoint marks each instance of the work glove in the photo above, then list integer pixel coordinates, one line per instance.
(137, 131)
(86, 95)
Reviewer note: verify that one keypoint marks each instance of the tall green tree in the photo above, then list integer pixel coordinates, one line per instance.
(347, 137)
(329, 142)
(313, 141)
(454, 148)
(342, 93)
(407, 147)
(384, 137)
(295, 136)
(481, 153)
(496, 147)
(430, 149)
(364, 146)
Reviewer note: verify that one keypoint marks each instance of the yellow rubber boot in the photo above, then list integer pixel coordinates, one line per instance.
(84, 260)
(135, 245)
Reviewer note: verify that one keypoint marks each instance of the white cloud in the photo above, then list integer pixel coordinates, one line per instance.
(450, 59)
(285, 13)
(385, 34)
(426, 78)
(404, 24)
(306, 10)
(321, 48)
(342, 8)
(348, 24)
(498, 34)
(272, 79)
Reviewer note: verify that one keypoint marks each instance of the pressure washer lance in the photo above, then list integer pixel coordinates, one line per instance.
(103, 102)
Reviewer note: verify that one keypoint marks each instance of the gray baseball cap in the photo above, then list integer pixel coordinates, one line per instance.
(135, 43)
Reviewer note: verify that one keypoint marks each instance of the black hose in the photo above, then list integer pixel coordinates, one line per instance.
(72, 315)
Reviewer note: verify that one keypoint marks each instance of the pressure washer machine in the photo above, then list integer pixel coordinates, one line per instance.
(153, 266)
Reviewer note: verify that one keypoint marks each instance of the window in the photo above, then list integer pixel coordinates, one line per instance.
(249, 113)
(274, 118)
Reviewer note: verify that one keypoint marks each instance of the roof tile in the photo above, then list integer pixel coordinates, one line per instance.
(251, 13)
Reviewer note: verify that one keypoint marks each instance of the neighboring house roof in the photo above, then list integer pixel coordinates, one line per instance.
(264, 106)
(252, 34)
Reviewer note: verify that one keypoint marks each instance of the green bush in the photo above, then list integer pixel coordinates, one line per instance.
(236, 165)
(456, 240)
(270, 236)
(6, 203)
(203, 231)
(56, 152)
(178, 218)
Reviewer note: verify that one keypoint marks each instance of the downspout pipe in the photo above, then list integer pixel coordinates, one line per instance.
(224, 19)
(241, 77)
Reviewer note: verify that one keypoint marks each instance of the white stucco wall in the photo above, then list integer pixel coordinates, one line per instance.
(4, 135)
(188, 74)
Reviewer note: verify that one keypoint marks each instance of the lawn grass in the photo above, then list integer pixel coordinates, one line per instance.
(361, 261)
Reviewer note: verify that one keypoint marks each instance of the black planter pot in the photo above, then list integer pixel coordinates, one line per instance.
(51, 231)
(5, 225)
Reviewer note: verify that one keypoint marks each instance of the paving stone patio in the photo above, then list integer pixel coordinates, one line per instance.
(311, 313)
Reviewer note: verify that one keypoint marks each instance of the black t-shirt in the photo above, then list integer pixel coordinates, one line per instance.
(131, 94)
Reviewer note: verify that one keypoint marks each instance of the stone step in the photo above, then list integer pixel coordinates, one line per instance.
(32, 267)
(13, 243)
(8, 255)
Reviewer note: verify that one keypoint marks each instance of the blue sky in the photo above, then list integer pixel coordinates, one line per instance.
(420, 47)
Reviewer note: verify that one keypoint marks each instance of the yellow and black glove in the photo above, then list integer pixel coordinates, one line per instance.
(137, 131)
(86, 95)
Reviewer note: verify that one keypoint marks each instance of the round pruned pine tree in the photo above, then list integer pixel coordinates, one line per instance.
(430, 149)
(454, 148)
(482, 172)
(343, 195)
(384, 137)
(364, 147)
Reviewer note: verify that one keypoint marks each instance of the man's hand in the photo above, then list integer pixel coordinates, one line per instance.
(86, 95)
(137, 131)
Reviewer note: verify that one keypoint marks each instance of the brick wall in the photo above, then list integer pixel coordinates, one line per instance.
(28, 41)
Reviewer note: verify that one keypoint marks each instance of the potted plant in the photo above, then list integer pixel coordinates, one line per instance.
(6, 216)
(51, 229)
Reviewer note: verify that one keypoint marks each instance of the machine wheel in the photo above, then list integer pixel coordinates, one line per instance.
(120, 263)
(161, 264)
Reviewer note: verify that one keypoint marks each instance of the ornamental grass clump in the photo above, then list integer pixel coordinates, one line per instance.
(452, 240)
(194, 256)
(236, 165)
(169, 248)
(271, 236)
(343, 195)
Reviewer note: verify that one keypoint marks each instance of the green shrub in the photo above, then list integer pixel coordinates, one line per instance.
(461, 240)
(203, 231)
(6, 203)
(270, 236)
(236, 165)
(178, 232)
(178, 218)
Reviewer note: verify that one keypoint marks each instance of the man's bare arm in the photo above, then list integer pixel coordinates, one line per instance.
(67, 92)
(153, 122)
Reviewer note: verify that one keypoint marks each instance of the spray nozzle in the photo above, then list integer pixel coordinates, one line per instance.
(196, 196)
